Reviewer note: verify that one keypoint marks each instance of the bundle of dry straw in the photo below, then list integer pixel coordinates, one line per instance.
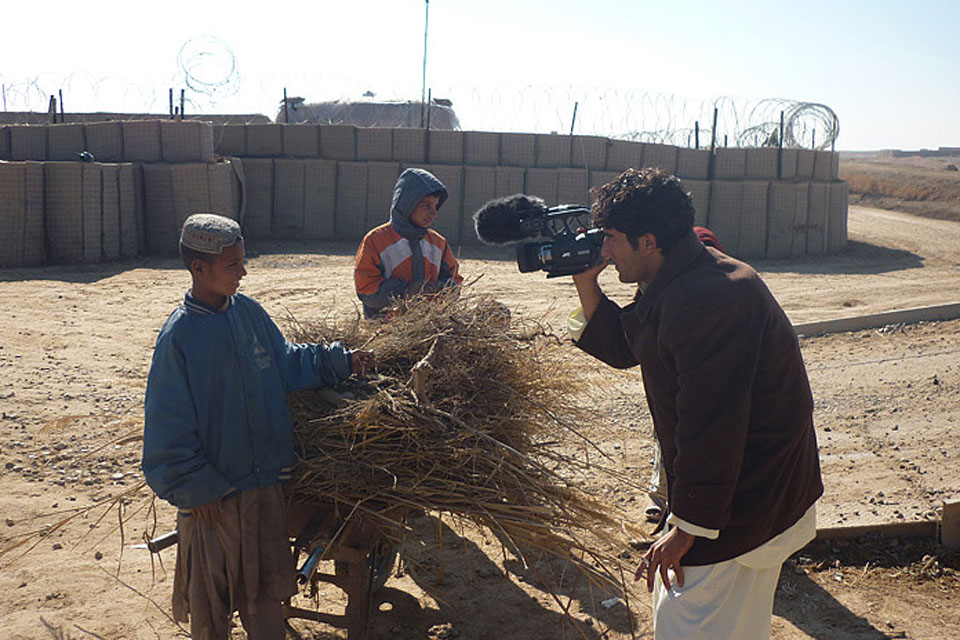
(467, 413)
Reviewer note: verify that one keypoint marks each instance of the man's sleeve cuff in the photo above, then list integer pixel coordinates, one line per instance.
(576, 323)
(692, 529)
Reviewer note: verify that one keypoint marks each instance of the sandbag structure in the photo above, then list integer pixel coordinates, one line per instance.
(334, 182)
(102, 191)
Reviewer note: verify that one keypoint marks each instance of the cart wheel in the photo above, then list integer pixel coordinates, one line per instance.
(381, 560)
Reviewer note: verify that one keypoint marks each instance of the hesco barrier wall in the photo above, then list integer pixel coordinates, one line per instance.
(334, 182)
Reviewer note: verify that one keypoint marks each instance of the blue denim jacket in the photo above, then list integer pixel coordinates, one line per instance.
(216, 416)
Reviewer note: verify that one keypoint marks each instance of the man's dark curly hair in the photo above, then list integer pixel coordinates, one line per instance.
(644, 201)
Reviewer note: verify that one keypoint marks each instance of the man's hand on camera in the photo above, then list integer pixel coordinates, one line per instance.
(588, 289)
(591, 274)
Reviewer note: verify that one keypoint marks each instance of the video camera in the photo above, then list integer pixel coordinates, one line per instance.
(565, 245)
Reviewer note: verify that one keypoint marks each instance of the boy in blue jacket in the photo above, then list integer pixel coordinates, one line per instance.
(218, 437)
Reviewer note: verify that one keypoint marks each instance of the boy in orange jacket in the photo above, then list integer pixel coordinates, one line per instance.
(404, 256)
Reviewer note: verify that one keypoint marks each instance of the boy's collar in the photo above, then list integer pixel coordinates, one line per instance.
(201, 307)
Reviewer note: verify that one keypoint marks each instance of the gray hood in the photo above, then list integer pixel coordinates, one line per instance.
(412, 185)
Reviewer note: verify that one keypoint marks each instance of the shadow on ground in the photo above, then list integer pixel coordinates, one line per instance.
(811, 608)
(857, 258)
(477, 599)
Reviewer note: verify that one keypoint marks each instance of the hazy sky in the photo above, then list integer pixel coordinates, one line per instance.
(889, 69)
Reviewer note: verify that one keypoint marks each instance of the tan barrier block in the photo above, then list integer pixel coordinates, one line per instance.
(509, 180)
(338, 142)
(752, 236)
(300, 140)
(35, 232)
(172, 192)
(786, 219)
(624, 154)
(410, 146)
(479, 187)
(445, 147)
(288, 201)
(63, 187)
(730, 164)
(553, 150)
(572, 187)
(22, 235)
(381, 178)
(374, 143)
(834, 166)
(805, 162)
(762, 163)
(141, 140)
(320, 198)
(34, 222)
(799, 245)
(588, 152)
(225, 190)
(12, 214)
(693, 164)
(65, 142)
(264, 141)
(110, 218)
(230, 139)
(12, 193)
(823, 166)
(950, 525)
(131, 210)
(28, 142)
(186, 141)
(4, 143)
(788, 166)
(258, 174)
(726, 209)
(699, 191)
(481, 148)
(350, 219)
(600, 178)
(543, 184)
(818, 202)
(448, 223)
(738, 215)
(662, 156)
(105, 140)
(837, 210)
(34, 226)
(518, 149)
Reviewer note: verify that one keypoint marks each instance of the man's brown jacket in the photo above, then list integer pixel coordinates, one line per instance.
(728, 392)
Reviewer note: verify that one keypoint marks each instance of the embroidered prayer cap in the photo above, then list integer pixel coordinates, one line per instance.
(209, 233)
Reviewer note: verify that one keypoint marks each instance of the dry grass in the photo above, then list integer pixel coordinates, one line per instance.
(923, 186)
(490, 434)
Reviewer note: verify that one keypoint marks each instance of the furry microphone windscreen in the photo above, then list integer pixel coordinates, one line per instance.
(501, 220)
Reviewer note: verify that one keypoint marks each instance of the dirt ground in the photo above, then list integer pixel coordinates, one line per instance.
(75, 345)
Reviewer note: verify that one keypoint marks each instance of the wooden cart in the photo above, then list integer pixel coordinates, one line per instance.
(362, 560)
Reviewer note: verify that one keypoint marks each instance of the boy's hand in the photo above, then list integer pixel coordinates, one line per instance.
(433, 287)
(362, 360)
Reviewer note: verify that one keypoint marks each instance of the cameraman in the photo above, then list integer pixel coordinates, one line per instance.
(731, 406)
